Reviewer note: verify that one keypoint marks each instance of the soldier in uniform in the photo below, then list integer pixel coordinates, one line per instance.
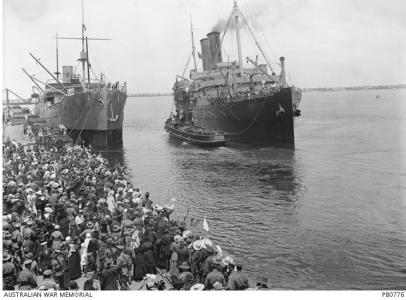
(27, 279)
(9, 273)
(125, 261)
(44, 257)
(109, 276)
(58, 274)
(48, 282)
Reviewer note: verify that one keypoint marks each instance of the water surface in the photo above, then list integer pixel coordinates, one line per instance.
(327, 215)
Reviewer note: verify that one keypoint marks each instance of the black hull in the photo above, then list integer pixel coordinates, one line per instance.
(195, 139)
(99, 139)
(97, 116)
(196, 142)
(253, 121)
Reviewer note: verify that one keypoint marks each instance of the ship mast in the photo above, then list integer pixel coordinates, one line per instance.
(237, 29)
(193, 45)
(83, 54)
(57, 57)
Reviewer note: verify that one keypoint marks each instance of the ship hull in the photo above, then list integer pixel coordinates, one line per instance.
(96, 117)
(267, 120)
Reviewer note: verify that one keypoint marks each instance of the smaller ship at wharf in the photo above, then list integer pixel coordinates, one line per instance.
(89, 107)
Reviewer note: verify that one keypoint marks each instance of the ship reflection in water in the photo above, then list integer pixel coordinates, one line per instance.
(248, 194)
(113, 153)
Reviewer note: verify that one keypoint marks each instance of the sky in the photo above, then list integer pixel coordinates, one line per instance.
(325, 43)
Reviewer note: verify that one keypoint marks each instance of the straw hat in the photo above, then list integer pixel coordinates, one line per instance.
(207, 242)
(197, 245)
(89, 224)
(228, 261)
(184, 266)
(150, 284)
(27, 262)
(197, 287)
(186, 234)
(177, 238)
(6, 257)
(218, 286)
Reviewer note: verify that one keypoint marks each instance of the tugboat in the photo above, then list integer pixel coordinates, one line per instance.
(195, 135)
(180, 125)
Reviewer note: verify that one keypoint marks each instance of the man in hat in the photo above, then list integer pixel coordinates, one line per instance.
(109, 276)
(125, 261)
(89, 229)
(197, 258)
(48, 283)
(34, 264)
(27, 279)
(227, 267)
(209, 255)
(9, 273)
(91, 284)
(184, 269)
(27, 228)
(262, 283)
(16, 235)
(238, 280)
(63, 261)
(44, 257)
(187, 281)
(215, 275)
(117, 231)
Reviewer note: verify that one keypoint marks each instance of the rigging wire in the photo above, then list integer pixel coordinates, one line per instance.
(87, 116)
(187, 64)
(254, 24)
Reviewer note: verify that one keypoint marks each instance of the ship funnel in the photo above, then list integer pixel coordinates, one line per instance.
(204, 43)
(214, 48)
(282, 76)
(67, 73)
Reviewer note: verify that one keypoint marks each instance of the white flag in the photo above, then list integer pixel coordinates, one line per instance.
(205, 225)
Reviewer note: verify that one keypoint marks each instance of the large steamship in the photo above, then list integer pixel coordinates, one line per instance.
(91, 109)
(250, 104)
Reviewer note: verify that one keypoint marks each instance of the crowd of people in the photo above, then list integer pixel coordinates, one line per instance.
(72, 221)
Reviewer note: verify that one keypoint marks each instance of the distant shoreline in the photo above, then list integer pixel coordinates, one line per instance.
(319, 89)
(149, 94)
(355, 88)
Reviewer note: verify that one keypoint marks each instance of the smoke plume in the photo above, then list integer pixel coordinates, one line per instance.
(263, 12)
